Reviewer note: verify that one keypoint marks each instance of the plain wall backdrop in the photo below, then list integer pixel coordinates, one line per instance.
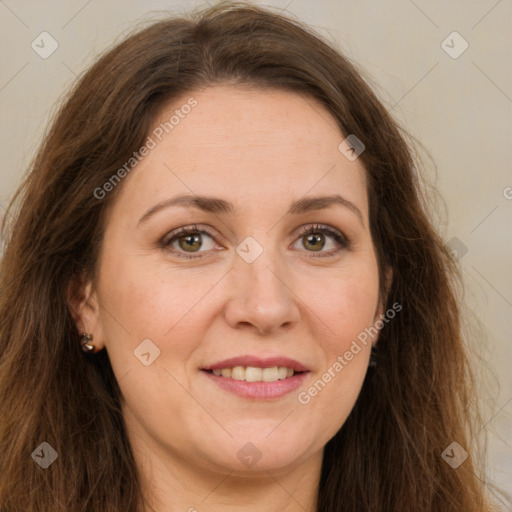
(439, 67)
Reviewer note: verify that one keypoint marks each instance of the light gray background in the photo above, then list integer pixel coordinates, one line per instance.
(460, 108)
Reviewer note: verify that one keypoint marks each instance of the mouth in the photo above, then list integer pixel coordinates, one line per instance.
(256, 378)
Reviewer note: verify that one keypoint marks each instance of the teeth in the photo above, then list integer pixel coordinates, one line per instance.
(282, 372)
(238, 373)
(254, 374)
(270, 374)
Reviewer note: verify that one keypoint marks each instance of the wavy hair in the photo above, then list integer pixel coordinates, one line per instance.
(420, 397)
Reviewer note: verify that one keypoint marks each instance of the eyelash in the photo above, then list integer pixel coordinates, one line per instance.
(339, 237)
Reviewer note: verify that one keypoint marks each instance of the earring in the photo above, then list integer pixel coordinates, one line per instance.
(86, 346)
(373, 357)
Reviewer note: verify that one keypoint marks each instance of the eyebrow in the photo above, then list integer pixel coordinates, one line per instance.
(217, 205)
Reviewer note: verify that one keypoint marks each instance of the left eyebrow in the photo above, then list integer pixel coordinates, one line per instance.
(323, 202)
(218, 205)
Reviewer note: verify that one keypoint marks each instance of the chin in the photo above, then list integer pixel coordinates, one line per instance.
(251, 456)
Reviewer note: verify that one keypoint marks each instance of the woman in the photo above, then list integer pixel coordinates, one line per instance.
(221, 227)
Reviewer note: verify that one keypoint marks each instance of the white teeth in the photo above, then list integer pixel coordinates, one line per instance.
(282, 372)
(270, 374)
(255, 374)
(238, 373)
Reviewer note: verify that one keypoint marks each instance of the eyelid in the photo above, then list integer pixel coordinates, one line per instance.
(322, 228)
(340, 238)
(185, 230)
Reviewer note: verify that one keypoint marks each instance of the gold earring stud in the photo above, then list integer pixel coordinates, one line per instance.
(85, 342)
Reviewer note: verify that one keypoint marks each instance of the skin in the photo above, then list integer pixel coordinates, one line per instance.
(260, 150)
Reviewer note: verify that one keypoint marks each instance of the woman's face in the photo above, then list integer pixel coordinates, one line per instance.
(270, 276)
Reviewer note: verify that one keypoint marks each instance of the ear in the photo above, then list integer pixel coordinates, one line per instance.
(84, 309)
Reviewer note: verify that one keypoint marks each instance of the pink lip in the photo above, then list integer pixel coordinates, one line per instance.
(258, 362)
(258, 390)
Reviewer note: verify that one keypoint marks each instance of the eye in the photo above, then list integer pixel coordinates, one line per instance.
(316, 238)
(184, 242)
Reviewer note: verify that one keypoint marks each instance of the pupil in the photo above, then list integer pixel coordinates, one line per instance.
(190, 240)
(314, 238)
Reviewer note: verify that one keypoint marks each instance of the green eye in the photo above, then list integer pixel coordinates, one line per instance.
(315, 238)
(188, 240)
(315, 241)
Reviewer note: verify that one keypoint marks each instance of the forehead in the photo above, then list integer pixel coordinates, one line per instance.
(254, 146)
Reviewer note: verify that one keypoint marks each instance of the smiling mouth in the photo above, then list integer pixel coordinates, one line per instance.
(255, 374)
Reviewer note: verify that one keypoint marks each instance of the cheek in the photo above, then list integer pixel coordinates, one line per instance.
(345, 305)
(346, 302)
(143, 300)
(150, 299)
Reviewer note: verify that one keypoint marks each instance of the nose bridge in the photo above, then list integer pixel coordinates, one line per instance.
(262, 276)
(264, 282)
(262, 295)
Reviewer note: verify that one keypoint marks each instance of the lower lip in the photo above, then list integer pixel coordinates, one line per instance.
(258, 390)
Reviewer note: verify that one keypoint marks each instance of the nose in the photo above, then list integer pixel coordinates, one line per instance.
(262, 298)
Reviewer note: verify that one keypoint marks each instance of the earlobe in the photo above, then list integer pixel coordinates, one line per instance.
(84, 310)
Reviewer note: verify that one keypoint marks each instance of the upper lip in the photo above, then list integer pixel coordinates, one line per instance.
(258, 362)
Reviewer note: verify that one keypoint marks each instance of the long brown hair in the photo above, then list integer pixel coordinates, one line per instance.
(417, 400)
